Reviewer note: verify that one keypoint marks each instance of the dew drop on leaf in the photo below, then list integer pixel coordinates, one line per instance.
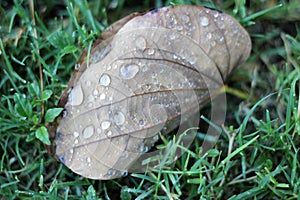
(104, 80)
(129, 71)
(204, 21)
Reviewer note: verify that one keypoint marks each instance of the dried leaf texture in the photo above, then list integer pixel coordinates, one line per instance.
(147, 73)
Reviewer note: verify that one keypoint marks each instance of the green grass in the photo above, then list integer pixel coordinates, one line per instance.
(256, 157)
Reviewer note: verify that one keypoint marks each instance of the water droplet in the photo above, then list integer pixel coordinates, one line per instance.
(185, 18)
(144, 148)
(184, 53)
(64, 113)
(191, 84)
(124, 154)
(108, 67)
(88, 159)
(109, 133)
(90, 98)
(153, 75)
(213, 43)
(235, 31)
(172, 20)
(180, 85)
(119, 118)
(142, 122)
(209, 36)
(169, 86)
(192, 60)
(95, 92)
(105, 125)
(172, 36)
(98, 130)
(138, 85)
(76, 96)
(157, 86)
(216, 14)
(155, 138)
(204, 21)
(179, 28)
(71, 151)
(88, 131)
(129, 71)
(111, 172)
(141, 43)
(102, 96)
(148, 87)
(104, 80)
(219, 38)
(124, 173)
(145, 68)
(76, 141)
(77, 66)
(150, 51)
(75, 134)
(221, 25)
(164, 129)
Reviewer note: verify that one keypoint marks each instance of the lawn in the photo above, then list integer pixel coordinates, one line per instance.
(256, 156)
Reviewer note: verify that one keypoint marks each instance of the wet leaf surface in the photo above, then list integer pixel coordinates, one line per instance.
(147, 73)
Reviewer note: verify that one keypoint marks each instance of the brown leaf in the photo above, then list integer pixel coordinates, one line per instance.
(147, 73)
